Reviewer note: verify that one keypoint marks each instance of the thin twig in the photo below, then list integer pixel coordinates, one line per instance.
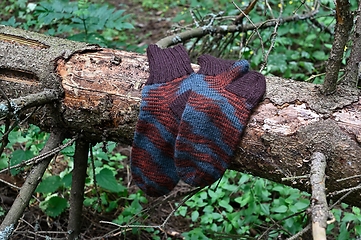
(255, 28)
(314, 76)
(341, 198)
(224, 29)
(94, 175)
(346, 190)
(347, 178)
(9, 184)
(31, 100)
(161, 226)
(270, 9)
(273, 39)
(278, 221)
(300, 233)
(31, 182)
(295, 177)
(40, 157)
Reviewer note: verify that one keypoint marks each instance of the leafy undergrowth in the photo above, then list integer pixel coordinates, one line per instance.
(236, 207)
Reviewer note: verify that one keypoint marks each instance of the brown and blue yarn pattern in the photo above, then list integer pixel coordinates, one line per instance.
(152, 163)
(190, 123)
(213, 120)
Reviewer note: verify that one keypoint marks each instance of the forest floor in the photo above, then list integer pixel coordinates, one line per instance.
(150, 26)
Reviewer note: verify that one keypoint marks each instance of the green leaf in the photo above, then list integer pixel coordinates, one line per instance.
(279, 188)
(319, 55)
(244, 178)
(225, 204)
(16, 137)
(195, 215)
(49, 184)
(66, 180)
(329, 46)
(356, 210)
(196, 234)
(11, 22)
(349, 217)
(344, 205)
(89, 201)
(310, 37)
(18, 156)
(102, 155)
(344, 233)
(217, 216)
(3, 161)
(227, 227)
(124, 25)
(111, 146)
(302, 204)
(305, 54)
(208, 209)
(295, 55)
(68, 151)
(337, 214)
(135, 205)
(182, 210)
(212, 194)
(243, 200)
(279, 209)
(265, 208)
(106, 180)
(54, 206)
(358, 230)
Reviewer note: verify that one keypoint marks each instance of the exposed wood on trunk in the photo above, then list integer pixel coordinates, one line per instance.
(101, 92)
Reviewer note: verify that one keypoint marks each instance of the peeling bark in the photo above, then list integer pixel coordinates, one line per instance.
(100, 92)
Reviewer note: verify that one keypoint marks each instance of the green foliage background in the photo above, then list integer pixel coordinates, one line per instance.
(240, 205)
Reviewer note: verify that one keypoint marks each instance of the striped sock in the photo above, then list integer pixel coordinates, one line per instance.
(152, 163)
(215, 115)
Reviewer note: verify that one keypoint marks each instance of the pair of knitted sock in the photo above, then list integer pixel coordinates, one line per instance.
(190, 123)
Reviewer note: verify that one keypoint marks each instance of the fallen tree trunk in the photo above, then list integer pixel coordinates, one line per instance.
(99, 92)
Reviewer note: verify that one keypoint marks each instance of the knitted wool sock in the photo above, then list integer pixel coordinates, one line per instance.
(215, 115)
(152, 163)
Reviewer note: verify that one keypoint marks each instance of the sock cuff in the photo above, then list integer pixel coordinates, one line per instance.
(251, 86)
(212, 66)
(167, 64)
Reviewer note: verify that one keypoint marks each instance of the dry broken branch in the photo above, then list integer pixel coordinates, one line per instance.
(224, 29)
(13, 106)
(319, 202)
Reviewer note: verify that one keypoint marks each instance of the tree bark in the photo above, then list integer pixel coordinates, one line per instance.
(100, 92)
(344, 23)
(77, 188)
